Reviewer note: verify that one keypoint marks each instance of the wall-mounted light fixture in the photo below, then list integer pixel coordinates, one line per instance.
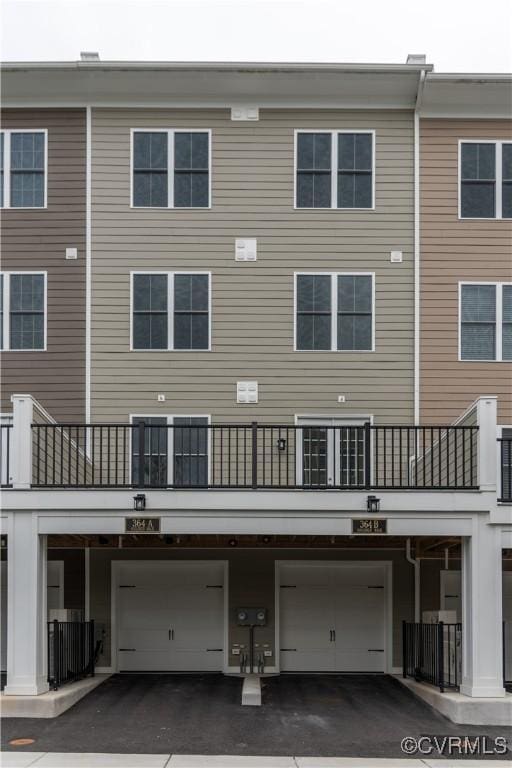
(139, 502)
(372, 504)
(233, 542)
(281, 444)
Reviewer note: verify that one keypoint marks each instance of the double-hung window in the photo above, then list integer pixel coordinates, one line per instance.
(485, 171)
(175, 451)
(170, 169)
(171, 311)
(334, 169)
(23, 311)
(334, 312)
(485, 321)
(23, 168)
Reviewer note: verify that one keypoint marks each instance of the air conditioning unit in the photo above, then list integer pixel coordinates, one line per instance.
(66, 614)
(434, 617)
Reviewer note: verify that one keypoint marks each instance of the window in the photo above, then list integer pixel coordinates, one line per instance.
(171, 169)
(485, 180)
(23, 311)
(23, 169)
(334, 312)
(333, 452)
(184, 438)
(334, 169)
(171, 311)
(486, 321)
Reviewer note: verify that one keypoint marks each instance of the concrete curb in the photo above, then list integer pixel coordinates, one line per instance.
(52, 703)
(251, 691)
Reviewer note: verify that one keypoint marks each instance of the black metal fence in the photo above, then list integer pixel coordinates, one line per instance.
(257, 456)
(5, 455)
(506, 468)
(432, 653)
(71, 651)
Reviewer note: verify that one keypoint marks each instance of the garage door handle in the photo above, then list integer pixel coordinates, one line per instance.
(127, 649)
(288, 649)
(333, 635)
(212, 650)
(375, 650)
(171, 634)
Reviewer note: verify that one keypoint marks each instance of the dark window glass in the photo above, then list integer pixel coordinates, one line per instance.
(150, 169)
(506, 196)
(190, 451)
(27, 311)
(191, 170)
(155, 436)
(313, 312)
(27, 170)
(314, 468)
(150, 312)
(191, 312)
(314, 170)
(478, 322)
(1, 311)
(507, 323)
(506, 463)
(354, 170)
(351, 446)
(1, 170)
(354, 312)
(478, 180)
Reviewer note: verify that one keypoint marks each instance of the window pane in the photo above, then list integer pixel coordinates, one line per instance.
(190, 190)
(191, 470)
(150, 151)
(477, 200)
(478, 341)
(27, 151)
(478, 161)
(507, 303)
(150, 293)
(354, 190)
(191, 331)
(27, 190)
(507, 323)
(190, 451)
(314, 444)
(506, 205)
(354, 332)
(314, 151)
(150, 189)
(313, 332)
(27, 292)
(354, 152)
(354, 293)
(191, 292)
(1, 170)
(314, 293)
(150, 331)
(478, 303)
(191, 151)
(155, 450)
(27, 331)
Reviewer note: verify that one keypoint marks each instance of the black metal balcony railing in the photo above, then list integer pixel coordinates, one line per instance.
(71, 651)
(506, 468)
(432, 653)
(5, 455)
(255, 456)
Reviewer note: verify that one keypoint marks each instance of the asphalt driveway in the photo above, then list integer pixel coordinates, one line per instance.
(323, 715)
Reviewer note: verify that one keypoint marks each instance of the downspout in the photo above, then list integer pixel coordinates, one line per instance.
(417, 109)
(88, 262)
(417, 583)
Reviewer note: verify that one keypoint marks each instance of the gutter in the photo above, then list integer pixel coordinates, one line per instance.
(417, 250)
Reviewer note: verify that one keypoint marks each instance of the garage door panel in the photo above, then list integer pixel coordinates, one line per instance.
(143, 661)
(359, 661)
(308, 660)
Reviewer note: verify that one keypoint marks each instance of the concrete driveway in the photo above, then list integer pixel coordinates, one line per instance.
(322, 715)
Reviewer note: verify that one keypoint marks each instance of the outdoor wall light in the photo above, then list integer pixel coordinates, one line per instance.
(139, 502)
(232, 542)
(281, 444)
(372, 504)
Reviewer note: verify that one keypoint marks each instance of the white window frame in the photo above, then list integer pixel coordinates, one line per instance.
(170, 441)
(334, 312)
(6, 326)
(498, 320)
(7, 132)
(334, 167)
(498, 174)
(170, 169)
(170, 309)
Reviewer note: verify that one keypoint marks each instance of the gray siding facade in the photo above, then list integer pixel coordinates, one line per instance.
(252, 303)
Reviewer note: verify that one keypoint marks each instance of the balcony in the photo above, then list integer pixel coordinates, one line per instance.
(249, 456)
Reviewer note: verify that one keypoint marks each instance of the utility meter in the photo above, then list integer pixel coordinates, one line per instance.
(251, 617)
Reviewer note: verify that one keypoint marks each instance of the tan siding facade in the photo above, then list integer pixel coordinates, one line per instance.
(252, 318)
(36, 240)
(454, 250)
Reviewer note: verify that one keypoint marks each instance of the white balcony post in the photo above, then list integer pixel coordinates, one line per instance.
(20, 474)
(482, 639)
(26, 607)
(486, 416)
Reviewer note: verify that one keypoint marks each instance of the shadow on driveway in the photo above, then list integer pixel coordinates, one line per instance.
(323, 715)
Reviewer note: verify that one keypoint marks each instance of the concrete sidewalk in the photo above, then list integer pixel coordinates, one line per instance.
(104, 760)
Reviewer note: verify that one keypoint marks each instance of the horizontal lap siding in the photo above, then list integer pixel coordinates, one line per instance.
(252, 319)
(454, 250)
(35, 240)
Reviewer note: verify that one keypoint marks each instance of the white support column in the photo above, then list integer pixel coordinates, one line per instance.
(486, 417)
(26, 607)
(21, 448)
(482, 640)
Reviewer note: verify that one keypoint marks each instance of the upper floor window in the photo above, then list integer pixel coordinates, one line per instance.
(486, 321)
(485, 180)
(23, 169)
(171, 169)
(334, 169)
(334, 312)
(171, 311)
(23, 311)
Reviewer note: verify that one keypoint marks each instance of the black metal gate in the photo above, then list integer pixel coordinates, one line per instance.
(71, 651)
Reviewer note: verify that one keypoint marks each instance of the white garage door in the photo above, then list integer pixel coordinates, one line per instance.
(170, 616)
(333, 617)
